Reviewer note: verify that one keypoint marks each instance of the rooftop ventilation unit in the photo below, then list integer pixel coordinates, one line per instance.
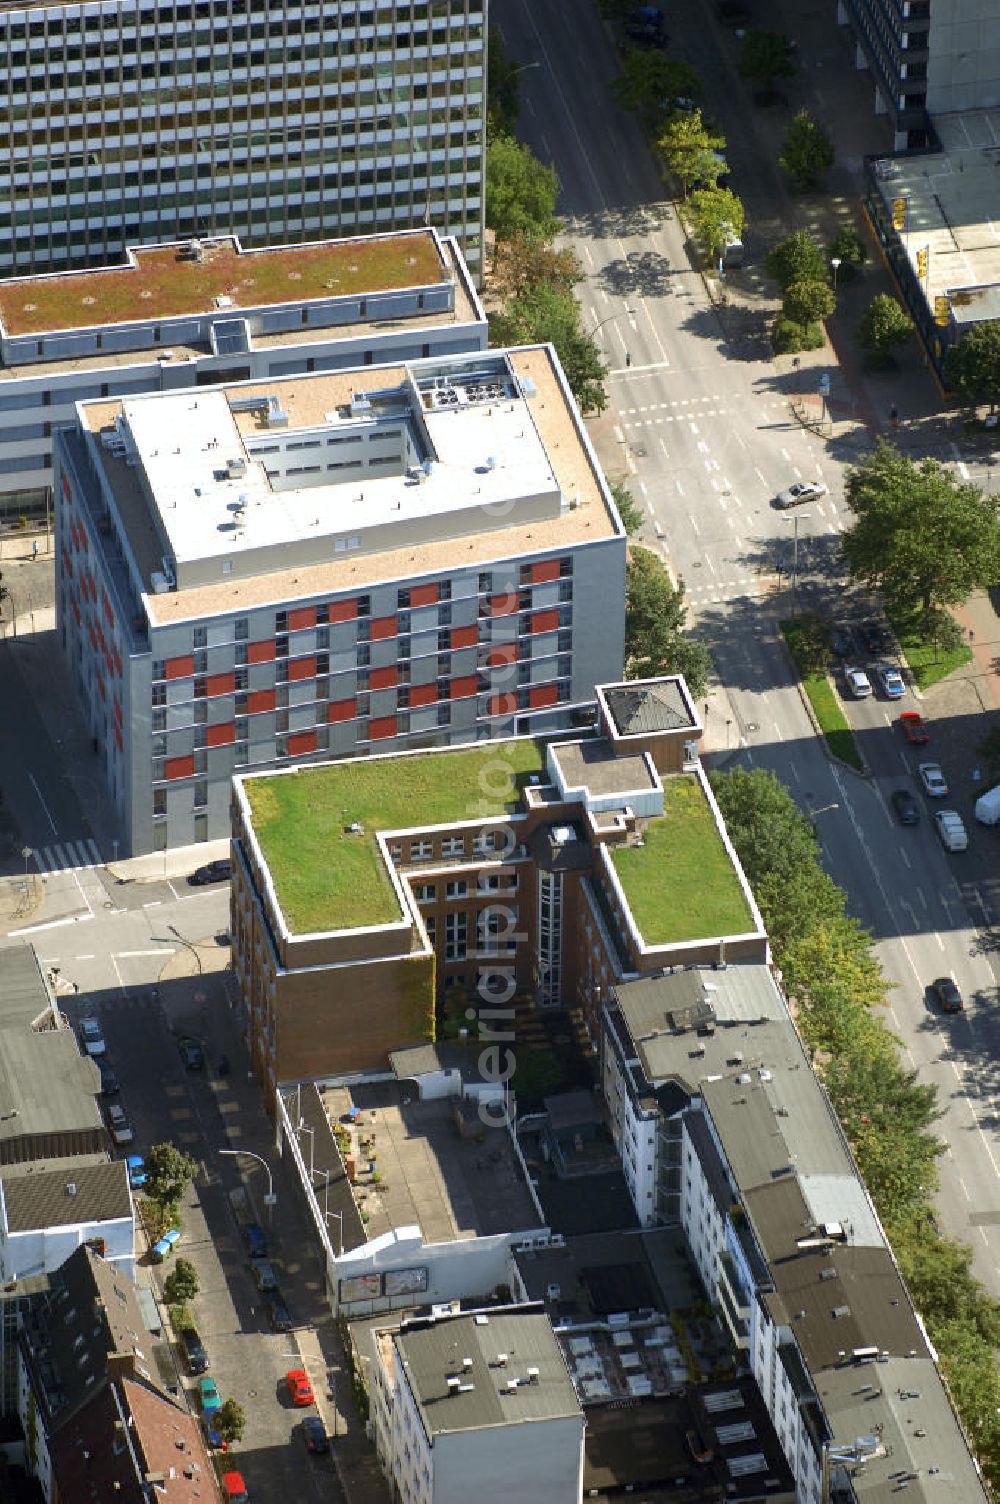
(236, 468)
(454, 1384)
(466, 1364)
(510, 1387)
(360, 405)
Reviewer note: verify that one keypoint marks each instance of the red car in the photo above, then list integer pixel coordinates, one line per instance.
(299, 1388)
(913, 728)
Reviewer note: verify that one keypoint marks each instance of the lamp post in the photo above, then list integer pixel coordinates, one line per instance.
(835, 262)
(303, 1127)
(795, 520)
(270, 1198)
(26, 853)
(186, 943)
(611, 318)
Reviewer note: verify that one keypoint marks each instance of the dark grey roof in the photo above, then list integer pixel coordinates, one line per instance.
(427, 1059)
(432, 1351)
(639, 709)
(839, 1299)
(57, 1198)
(24, 995)
(573, 1109)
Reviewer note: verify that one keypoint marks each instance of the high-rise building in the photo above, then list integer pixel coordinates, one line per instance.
(152, 120)
(254, 575)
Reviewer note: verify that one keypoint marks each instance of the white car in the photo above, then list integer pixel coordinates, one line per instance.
(891, 681)
(933, 780)
(858, 682)
(951, 829)
(121, 1129)
(802, 490)
(93, 1039)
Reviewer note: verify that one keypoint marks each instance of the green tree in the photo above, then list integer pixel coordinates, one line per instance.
(628, 511)
(988, 750)
(520, 191)
(655, 614)
(849, 249)
(547, 313)
(797, 258)
(920, 537)
(521, 263)
(717, 215)
(972, 367)
(230, 1421)
(503, 92)
(808, 302)
(765, 57)
(884, 325)
(650, 82)
(690, 150)
(181, 1284)
(168, 1172)
(806, 152)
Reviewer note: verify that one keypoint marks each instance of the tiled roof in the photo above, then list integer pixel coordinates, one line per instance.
(642, 708)
(65, 1197)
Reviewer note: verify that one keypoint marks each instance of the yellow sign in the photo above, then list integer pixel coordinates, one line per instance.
(942, 312)
(923, 260)
(899, 213)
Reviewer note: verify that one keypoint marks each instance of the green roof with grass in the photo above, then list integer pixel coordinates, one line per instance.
(681, 885)
(327, 878)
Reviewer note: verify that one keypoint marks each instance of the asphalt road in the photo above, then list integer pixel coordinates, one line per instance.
(706, 436)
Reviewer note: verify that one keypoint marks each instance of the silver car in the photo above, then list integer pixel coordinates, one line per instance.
(803, 490)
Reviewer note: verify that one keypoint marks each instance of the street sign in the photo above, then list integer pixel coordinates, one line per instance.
(270, 1200)
(824, 385)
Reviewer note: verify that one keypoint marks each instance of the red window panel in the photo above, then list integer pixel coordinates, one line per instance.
(260, 652)
(341, 710)
(109, 615)
(108, 662)
(382, 627)
(545, 621)
(424, 595)
(100, 637)
(74, 535)
(503, 652)
(179, 668)
(67, 564)
(301, 743)
(383, 678)
(423, 694)
(463, 687)
(118, 739)
(259, 700)
(66, 490)
(118, 662)
(118, 712)
(179, 767)
(92, 635)
(221, 735)
(381, 727)
(342, 611)
(504, 605)
(544, 571)
(100, 685)
(301, 668)
(543, 694)
(301, 617)
(220, 684)
(76, 612)
(84, 540)
(464, 637)
(503, 704)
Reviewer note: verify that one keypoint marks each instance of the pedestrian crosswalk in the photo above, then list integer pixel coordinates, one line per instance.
(67, 854)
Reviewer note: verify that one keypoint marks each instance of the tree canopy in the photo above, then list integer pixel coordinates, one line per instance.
(520, 191)
(521, 263)
(972, 367)
(716, 216)
(806, 152)
(550, 313)
(168, 1172)
(503, 93)
(181, 1284)
(808, 302)
(690, 150)
(922, 538)
(629, 512)
(655, 613)
(884, 325)
(797, 258)
(650, 82)
(765, 57)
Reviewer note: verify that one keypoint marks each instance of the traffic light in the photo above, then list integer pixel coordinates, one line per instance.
(923, 260)
(899, 214)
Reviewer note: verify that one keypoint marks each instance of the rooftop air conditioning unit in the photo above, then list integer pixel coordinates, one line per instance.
(237, 467)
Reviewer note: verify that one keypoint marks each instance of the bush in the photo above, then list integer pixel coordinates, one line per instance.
(788, 338)
(181, 1284)
(797, 258)
(883, 325)
(849, 249)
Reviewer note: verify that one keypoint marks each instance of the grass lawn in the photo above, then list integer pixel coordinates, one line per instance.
(927, 662)
(161, 286)
(826, 707)
(327, 879)
(681, 885)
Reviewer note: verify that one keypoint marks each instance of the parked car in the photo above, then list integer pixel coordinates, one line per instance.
(121, 1129)
(91, 1036)
(907, 807)
(234, 1490)
(208, 1393)
(314, 1435)
(212, 1436)
(946, 990)
(645, 27)
(857, 682)
(194, 1350)
(279, 1315)
(891, 681)
(136, 1170)
(253, 1237)
(110, 1085)
(264, 1276)
(840, 641)
(933, 780)
(192, 1054)
(214, 872)
(795, 495)
(914, 729)
(876, 637)
(951, 829)
(300, 1390)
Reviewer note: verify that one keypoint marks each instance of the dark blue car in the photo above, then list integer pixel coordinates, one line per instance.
(253, 1237)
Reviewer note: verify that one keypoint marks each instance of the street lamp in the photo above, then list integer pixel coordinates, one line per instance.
(187, 943)
(26, 853)
(795, 520)
(303, 1127)
(611, 318)
(836, 263)
(270, 1198)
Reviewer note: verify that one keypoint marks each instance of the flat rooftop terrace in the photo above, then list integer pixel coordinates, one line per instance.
(160, 282)
(954, 210)
(681, 883)
(448, 1186)
(327, 878)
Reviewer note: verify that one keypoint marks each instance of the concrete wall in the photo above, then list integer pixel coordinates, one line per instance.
(466, 1269)
(540, 1460)
(43, 1250)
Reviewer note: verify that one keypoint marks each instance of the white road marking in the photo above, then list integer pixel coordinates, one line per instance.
(759, 474)
(677, 483)
(48, 816)
(786, 456)
(710, 565)
(163, 950)
(697, 530)
(906, 859)
(53, 924)
(642, 487)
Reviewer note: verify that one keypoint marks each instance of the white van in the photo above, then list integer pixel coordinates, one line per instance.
(951, 829)
(988, 807)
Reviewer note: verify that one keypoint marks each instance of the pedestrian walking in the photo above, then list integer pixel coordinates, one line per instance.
(34, 548)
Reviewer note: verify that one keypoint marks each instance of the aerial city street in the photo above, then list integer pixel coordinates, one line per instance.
(500, 754)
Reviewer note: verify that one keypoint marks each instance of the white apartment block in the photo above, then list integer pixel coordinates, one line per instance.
(171, 318)
(257, 575)
(47, 1213)
(476, 1406)
(705, 1076)
(153, 120)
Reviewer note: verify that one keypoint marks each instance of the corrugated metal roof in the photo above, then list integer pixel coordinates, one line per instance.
(644, 708)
